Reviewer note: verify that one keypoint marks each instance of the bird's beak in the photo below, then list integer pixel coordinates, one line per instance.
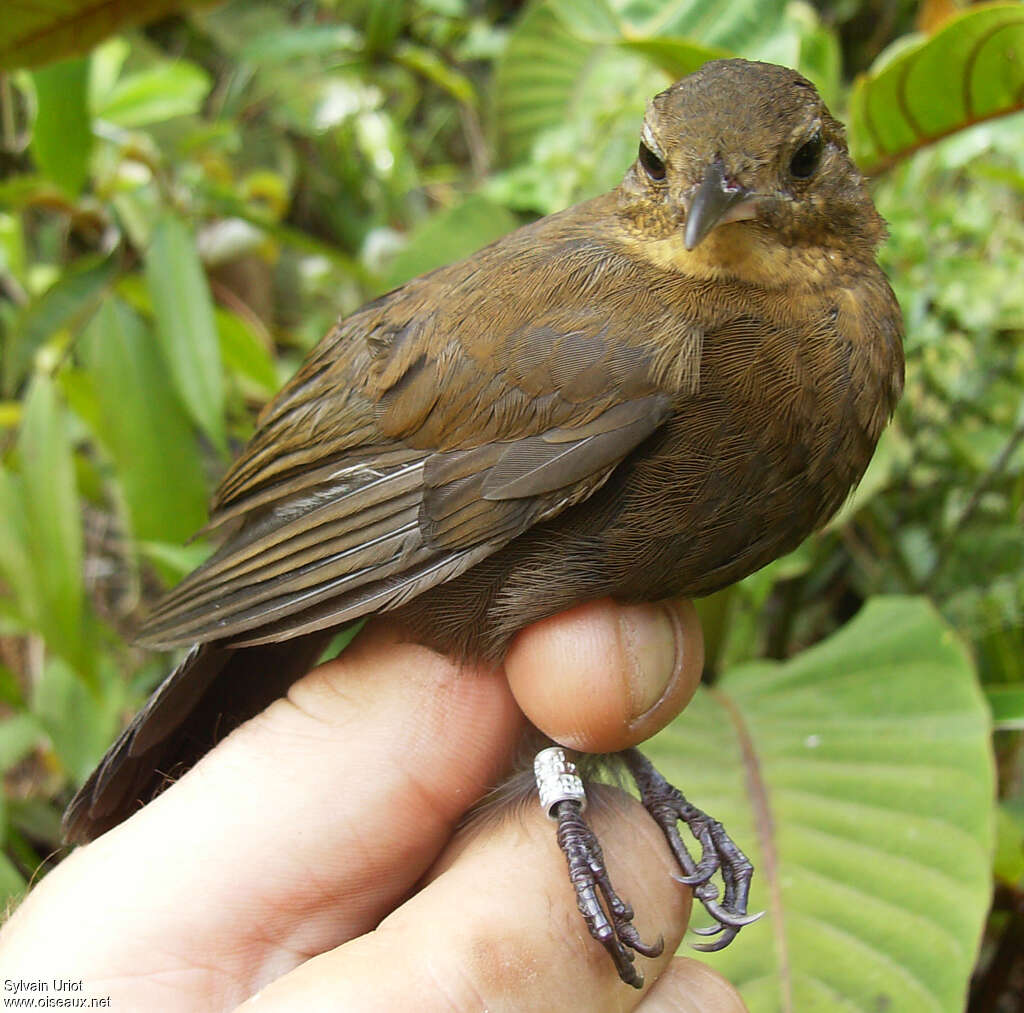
(716, 201)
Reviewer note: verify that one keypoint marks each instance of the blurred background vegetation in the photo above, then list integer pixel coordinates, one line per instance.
(189, 203)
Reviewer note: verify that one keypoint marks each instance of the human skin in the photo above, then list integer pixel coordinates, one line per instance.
(316, 856)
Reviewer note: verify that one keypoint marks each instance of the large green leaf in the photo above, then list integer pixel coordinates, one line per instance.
(733, 24)
(62, 134)
(574, 60)
(972, 69)
(859, 779)
(142, 424)
(185, 325)
(794, 37)
(543, 69)
(577, 61)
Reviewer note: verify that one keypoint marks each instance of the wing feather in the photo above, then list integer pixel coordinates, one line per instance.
(379, 596)
(427, 431)
(326, 550)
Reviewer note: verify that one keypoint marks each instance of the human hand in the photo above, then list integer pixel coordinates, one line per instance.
(312, 858)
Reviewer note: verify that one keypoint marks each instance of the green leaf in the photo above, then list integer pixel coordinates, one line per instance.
(450, 235)
(12, 245)
(62, 135)
(53, 524)
(594, 20)
(64, 304)
(10, 689)
(18, 737)
(540, 72)
(141, 423)
(970, 70)
(738, 25)
(384, 19)
(677, 57)
(793, 36)
(36, 818)
(80, 722)
(12, 883)
(15, 559)
(300, 41)
(244, 353)
(1009, 858)
(858, 777)
(564, 58)
(185, 326)
(1007, 703)
(175, 560)
(156, 94)
(105, 66)
(819, 56)
(427, 63)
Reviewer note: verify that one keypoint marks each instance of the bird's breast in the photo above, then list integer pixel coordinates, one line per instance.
(794, 391)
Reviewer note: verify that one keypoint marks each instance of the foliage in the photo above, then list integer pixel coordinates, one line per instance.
(875, 879)
(928, 88)
(187, 209)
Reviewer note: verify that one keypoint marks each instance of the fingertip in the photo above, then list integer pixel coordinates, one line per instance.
(602, 677)
(688, 986)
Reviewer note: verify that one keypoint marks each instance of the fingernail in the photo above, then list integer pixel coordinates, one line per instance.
(650, 636)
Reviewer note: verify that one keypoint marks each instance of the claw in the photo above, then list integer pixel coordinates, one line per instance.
(628, 934)
(719, 944)
(735, 921)
(700, 876)
(654, 949)
(709, 930)
(668, 806)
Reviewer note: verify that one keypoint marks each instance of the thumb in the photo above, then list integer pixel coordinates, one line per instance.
(602, 677)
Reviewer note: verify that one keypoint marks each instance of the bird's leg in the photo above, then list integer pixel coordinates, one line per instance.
(608, 917)
(668, 806)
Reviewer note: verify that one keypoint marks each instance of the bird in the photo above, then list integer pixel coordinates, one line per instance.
(651, 394)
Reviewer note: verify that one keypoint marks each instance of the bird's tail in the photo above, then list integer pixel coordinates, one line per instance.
(210, 693)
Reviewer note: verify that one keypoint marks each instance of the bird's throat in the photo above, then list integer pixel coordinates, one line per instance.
(741, 252)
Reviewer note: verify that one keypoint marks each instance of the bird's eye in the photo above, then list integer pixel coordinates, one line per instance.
(653, 166)
(805, 160)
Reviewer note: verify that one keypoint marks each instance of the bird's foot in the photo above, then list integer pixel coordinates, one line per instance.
(609, 918)
(668, 806)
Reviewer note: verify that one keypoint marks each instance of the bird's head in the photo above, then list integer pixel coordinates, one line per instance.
(743, 151)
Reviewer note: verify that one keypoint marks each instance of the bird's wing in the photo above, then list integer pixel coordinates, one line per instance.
(410, 457)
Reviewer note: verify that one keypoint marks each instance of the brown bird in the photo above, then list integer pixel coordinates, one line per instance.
(651, 394)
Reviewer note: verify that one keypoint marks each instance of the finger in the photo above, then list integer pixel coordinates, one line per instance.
(688, 986)
(497, 928)
(301, 829)
(602, 677)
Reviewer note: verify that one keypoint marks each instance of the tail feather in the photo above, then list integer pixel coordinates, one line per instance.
(208, 695)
